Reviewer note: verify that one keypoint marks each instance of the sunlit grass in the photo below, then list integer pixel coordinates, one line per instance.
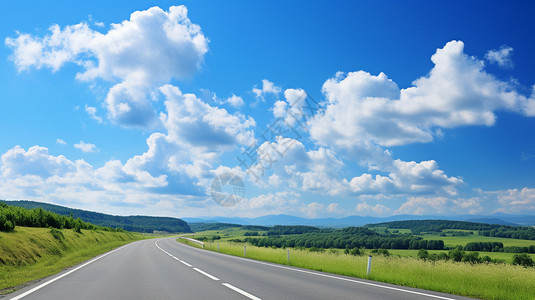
(32, 253)
(487, 281)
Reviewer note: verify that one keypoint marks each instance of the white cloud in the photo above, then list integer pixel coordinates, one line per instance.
(501, 57)
(363, 108)
(366, 209)
(193, 123)
(17, 162)
(137, 55)
(92, 112)
(86, 147)
(516, 200)
(291, 110)
(268, 87)
(61, 142)
(440, 205)
(235, 101)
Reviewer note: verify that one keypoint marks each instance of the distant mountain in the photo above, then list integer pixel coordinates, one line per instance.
(270, 220)
(130, 223)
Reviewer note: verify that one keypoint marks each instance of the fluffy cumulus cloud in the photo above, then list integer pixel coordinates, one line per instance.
(18, 162)
(191, 122)
(268, 88)
(136, 55)
(364, 108)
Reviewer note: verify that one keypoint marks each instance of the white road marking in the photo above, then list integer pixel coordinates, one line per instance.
(185, 263)
(63, 275)
(322, 275)
(241, 291)
(206, 274)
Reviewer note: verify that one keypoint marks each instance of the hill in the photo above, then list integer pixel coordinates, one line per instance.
(130, 223)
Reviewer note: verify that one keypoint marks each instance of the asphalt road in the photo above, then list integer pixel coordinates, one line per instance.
(166, 269)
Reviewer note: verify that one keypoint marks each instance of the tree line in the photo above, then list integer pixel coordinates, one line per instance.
(12, 216)
(350, 237)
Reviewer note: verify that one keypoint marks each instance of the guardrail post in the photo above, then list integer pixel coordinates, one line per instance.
(244, 250)
(369, 265)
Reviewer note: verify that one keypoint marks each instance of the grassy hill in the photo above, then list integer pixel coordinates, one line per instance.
(130, 223)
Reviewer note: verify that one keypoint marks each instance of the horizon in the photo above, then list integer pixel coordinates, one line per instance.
(204, 109)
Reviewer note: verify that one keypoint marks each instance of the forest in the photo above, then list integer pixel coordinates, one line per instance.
(350, 237)
(130, 223)
(12, 216)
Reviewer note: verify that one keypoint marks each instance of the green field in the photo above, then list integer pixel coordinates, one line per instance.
(452, 241)
(30, 253)
(486, 281)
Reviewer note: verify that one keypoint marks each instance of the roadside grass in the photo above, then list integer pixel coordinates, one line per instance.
(485, 281)
(28, 254)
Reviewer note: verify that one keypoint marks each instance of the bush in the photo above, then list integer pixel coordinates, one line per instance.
(5, 224)
(523, 260)
(423, 254)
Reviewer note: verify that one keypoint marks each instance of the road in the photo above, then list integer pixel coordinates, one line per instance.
(166, 269)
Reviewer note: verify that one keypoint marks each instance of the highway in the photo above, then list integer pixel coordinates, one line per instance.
(166, 269)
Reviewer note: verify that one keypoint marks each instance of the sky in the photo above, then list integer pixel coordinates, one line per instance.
(313, 109)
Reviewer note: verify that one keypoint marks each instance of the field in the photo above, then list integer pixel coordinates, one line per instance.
(486, 281)
(29, 253)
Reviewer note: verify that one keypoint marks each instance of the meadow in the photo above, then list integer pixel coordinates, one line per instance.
(29, 253)
(485, 281)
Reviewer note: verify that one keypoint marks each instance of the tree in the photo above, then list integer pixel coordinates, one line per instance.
(523, 260)
(423, 254)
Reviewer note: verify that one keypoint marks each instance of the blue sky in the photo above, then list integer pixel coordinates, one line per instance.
(419, 107)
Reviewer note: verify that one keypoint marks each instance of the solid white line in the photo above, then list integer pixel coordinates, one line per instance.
(206, 274)
(185, 263)
(241, 291)
(323, 275)
(63, 275)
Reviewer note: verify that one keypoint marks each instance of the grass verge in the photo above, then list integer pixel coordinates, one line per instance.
(485, 281)
(27, 254)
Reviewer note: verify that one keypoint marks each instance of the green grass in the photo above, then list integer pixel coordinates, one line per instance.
(452, 241)
(486, 281)
(28, 253)
(505, 257)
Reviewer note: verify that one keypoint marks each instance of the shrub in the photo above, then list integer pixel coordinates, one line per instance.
(423, 254)
(523, 260)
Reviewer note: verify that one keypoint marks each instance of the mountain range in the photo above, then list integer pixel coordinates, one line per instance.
(270, 220)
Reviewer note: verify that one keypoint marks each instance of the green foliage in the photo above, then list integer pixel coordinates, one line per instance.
(456, 254)
(350, 237)
(354, 251)
(130, 223)
(523, 260)
(291, 229)
(423, 254)
(484, 246)
(251, 233)
(512, 232)
(418, 226)
(11, 216)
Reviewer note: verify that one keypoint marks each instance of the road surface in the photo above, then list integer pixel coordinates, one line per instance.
(166, 269)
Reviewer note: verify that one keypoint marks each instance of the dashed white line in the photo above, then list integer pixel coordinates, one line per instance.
(230, 286)
(206, 274)
(323, 275)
